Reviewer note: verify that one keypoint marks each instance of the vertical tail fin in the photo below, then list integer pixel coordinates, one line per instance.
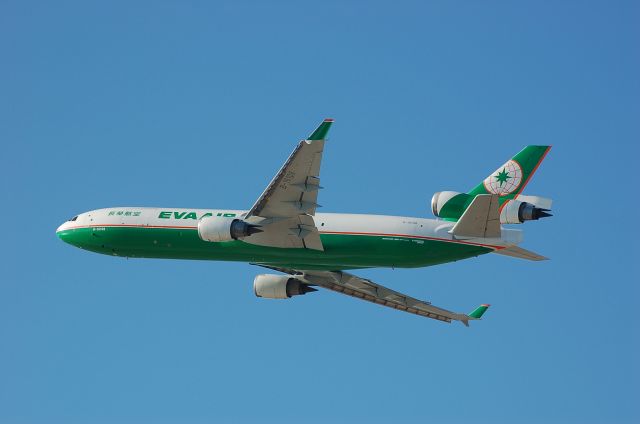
(509, 180)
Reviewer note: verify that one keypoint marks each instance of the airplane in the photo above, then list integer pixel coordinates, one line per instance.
(282, 232)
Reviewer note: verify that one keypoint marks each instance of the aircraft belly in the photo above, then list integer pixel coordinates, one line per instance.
(342, 251)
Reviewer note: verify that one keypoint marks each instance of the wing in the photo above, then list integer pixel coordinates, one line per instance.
(285, 209)
(364, 289)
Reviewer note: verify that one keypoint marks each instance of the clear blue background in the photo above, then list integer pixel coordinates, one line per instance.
(196, 104)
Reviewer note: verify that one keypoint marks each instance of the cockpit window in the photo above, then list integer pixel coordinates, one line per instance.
(74, 218)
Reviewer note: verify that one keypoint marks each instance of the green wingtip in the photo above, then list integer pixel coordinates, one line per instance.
(479, 311)
(321, 132)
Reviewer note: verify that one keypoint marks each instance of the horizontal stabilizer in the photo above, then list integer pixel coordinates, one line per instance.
(481, 219)
(519, 252)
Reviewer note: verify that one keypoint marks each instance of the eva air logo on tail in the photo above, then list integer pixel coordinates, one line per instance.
(510, 178)
(504, 180)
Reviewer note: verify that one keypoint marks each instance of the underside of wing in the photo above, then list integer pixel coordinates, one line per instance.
(365, 289)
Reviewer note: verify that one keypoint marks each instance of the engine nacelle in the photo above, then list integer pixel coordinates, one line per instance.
(517, 212)
(448, 204)
(216, 229)
(279, 286)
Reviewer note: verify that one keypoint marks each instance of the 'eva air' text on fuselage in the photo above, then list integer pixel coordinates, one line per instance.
(191, 215)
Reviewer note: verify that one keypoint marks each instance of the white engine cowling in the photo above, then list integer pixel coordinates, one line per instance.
(439, 199)
(517, 212)
(273, 286)
(217, 229)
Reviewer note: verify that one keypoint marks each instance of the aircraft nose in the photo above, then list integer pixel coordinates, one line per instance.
(62, 232)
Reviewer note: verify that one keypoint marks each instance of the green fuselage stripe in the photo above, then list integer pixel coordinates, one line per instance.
(341, 250)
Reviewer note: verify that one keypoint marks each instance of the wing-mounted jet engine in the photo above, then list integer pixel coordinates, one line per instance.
(273, 286)
(217, 229)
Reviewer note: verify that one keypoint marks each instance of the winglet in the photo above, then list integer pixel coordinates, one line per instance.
(479, 311)
(321, 132)
(476, 314)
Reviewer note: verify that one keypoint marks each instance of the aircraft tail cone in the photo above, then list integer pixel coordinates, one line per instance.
(541, 213)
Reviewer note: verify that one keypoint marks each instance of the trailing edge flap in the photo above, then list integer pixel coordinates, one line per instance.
(481, 219)
(296, 232)
(519, 252)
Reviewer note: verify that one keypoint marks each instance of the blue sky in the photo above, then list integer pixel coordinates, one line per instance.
(196, 104)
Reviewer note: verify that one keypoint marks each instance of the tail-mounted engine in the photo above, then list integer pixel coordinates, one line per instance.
(451, 205)
(218, 229)
(279, 286)
(517, 212)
